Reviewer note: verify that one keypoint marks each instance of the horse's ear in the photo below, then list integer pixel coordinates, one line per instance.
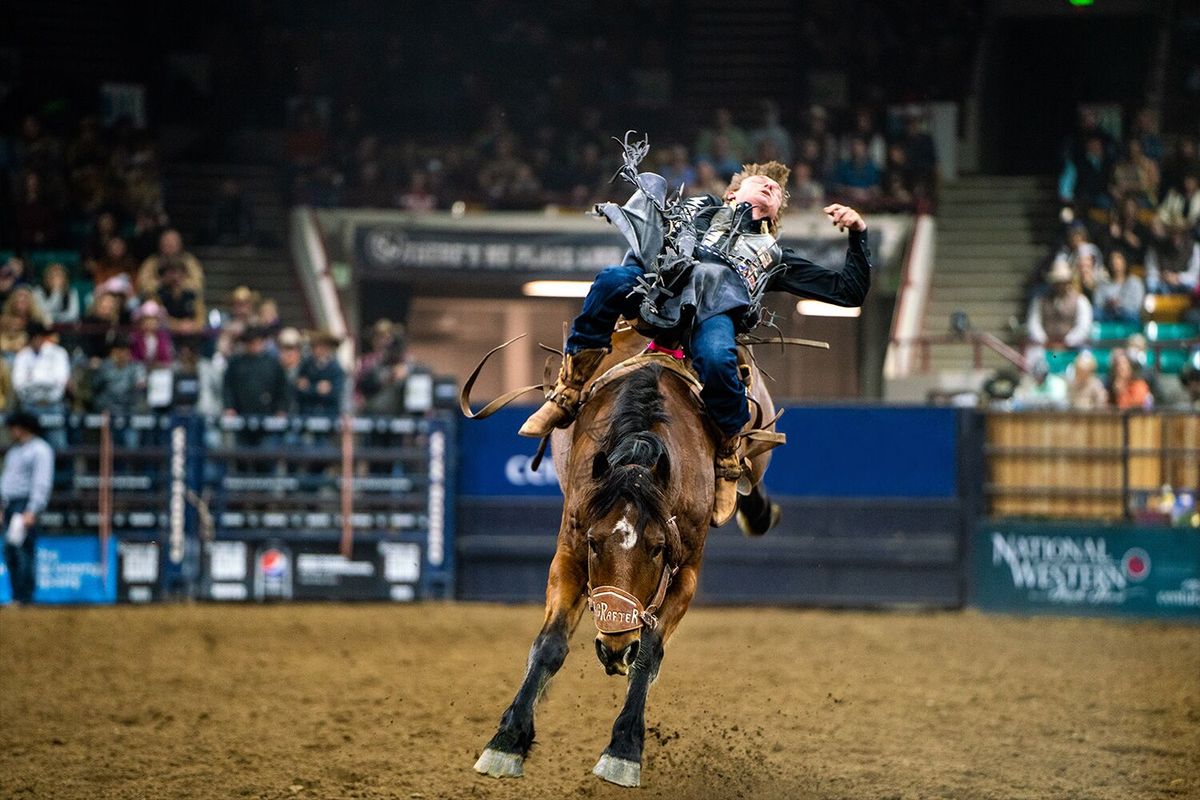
(662, 468)
(600, 465)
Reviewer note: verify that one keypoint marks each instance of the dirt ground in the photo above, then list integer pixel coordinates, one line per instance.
(367, 701)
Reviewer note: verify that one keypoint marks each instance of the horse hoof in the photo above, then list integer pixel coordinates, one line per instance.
(499, 765)
(748, 529)
(618, 771)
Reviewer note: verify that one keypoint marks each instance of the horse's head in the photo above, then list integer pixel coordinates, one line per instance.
(633, 544)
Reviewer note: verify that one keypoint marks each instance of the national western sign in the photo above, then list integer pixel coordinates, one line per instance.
(1086, 570)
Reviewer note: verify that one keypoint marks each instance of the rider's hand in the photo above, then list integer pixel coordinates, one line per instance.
(845, 217)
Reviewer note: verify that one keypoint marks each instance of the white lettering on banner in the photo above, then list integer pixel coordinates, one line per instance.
(519, 472)
(1188, 594)
(435, 548)
(175, 550)
(1066, 569)
(52, 573)
(394, 249)
(321, 565)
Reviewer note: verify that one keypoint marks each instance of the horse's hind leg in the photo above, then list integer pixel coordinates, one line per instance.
(505, 753)
(756, 514)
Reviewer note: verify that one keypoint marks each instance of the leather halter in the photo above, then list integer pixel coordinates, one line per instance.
(615, 610)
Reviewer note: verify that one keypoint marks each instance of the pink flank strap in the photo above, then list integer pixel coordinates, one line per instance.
(655, 347)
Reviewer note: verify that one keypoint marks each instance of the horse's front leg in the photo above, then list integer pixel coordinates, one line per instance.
(565, 599)
(621, 762)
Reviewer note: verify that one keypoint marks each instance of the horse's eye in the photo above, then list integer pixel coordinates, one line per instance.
(656, 551)
(593, 545)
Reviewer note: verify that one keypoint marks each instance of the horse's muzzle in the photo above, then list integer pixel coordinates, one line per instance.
(617, 661)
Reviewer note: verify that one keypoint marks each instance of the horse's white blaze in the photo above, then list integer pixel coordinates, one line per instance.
(628, 534)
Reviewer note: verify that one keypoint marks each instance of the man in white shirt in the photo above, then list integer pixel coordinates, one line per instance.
(25, 484)
(39, 377)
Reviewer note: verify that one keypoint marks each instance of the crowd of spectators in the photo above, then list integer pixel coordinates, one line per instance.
(1130, 250)
(877, 161)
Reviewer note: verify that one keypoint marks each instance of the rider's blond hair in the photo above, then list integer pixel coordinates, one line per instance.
(773, 170)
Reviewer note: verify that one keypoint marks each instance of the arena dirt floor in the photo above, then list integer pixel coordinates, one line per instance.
(367, 701)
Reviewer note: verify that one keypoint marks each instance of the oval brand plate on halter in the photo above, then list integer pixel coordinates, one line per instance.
(615, 610)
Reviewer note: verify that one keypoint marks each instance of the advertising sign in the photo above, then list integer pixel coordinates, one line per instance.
(1079, 569)
(139, 571)
(68, 570)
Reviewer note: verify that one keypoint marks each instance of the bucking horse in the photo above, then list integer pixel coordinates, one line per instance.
(636, 469)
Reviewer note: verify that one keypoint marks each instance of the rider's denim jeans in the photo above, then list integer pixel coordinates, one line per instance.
(712, 347)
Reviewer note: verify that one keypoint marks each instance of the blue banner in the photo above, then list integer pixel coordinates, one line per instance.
(5, 584)
(831, 452)
(68, 570)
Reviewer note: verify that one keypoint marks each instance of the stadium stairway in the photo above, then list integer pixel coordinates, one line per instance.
(992, 232)
(265, 267)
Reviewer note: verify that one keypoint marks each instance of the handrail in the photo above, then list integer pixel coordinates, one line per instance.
(983, 339)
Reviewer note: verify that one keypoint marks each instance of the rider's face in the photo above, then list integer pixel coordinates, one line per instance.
(762, 193)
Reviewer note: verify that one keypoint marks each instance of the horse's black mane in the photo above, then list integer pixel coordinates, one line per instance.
(633, 450)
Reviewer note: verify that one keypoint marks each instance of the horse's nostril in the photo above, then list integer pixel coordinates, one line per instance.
(631, 653)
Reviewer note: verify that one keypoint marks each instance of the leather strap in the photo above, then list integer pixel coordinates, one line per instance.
(464, 396)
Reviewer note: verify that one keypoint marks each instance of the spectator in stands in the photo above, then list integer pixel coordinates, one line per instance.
(148, 227)
(12, 336)
(102, 323)
(1144, 131)
(771, 131)
(1119, 297)
(10, 278)
(723, 161)
(418, 197)
(1062, 316)
(806, 194)
(864, 128)
(116, 261)
(1040, 389)
(1136, 176)
(243, 305)
(921, 155)
(856, 179)
(1184, 162)
(678, 170)
(1190, 377)
(170, 245)
(269, 319)
(372, 375)
(37, 220)
(96, 246)
(151, 343)
(197, 381)
(25, 486)
(56, 296)
(321, 382)
(1085, 390)
(291, 356)
(22, 303)
(897, 183)
(736, 144)
(1176, 266)
(1127, 390)
(1180, 209)
(707, 180)
(1128, 232)
(232, 217)
(817, 145)
(183, 309)
(119, 383)
(1085, 179)
(1089, 272)
(40, 373)
(254, 385)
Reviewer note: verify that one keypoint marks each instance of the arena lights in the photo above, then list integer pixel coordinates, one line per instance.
(815, 308)
(556, 288)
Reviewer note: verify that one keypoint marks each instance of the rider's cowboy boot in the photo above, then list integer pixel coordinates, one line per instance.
(563, 401)
(728, 471)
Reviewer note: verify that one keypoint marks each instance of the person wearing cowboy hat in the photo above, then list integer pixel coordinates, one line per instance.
(25, 484)
(1061, 317)
(321, 381)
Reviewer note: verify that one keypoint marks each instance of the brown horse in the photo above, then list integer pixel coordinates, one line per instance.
(637, 475)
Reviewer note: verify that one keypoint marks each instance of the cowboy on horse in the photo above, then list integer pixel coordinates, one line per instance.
(694, 276)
